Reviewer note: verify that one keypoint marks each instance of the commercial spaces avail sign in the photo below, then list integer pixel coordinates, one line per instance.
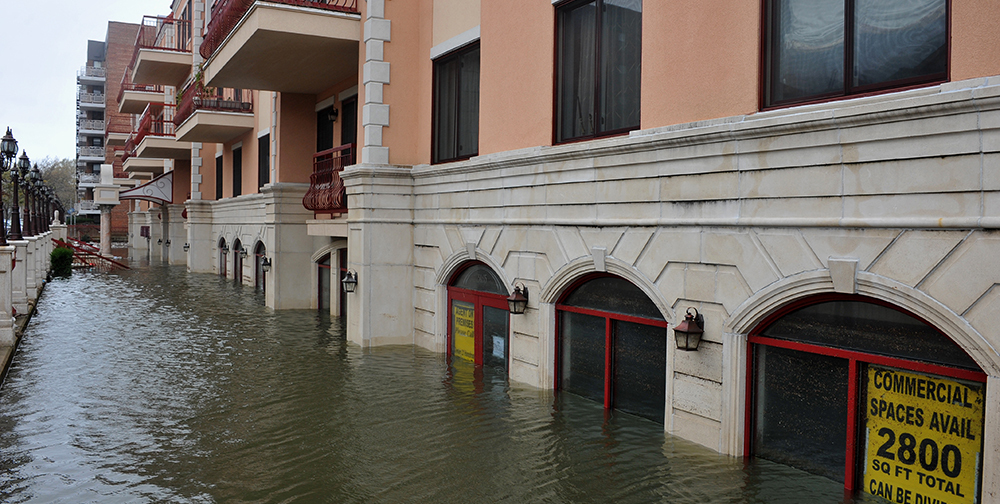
(463, 327)
(924, 437)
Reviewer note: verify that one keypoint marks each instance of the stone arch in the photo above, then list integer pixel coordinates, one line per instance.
(578, 268)
(765, 301)
(454, 262)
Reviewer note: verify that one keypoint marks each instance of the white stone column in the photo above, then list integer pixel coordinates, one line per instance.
(199, 237)
(106, 229)
(375, 75)
(19, 276)
(31, 268)
(991, 442)
(6, 320)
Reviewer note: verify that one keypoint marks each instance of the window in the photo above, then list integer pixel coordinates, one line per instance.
(598, 68)
(859, 392)
(456, 105)
(263, 161)
(237, 171)
(612, 347)
(816, 50)
(218, 177)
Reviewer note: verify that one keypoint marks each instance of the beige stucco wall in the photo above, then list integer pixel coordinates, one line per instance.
(453, 17)
(699, 60)
(515, 102)
(409, 93)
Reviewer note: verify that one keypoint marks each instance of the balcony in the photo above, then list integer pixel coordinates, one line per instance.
(88, 179)
(91, 153)
(91, 75)
(142, 167)
(162, 52)
(117, 130)
(154, 138)
(87, 207)
(90, 127)
(133, 98)
(292, 46)
(214, 115)
(326, 194)
(91, 100)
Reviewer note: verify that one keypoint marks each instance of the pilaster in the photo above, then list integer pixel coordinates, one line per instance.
(199, 236)
(19, 278)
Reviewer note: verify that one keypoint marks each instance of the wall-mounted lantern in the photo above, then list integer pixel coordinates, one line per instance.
(350, 281)
(167, 243)
(187, 246)
(688, 332)
(265, 264)
(243, 252)
(225, 249)
(518, 301)
(159, 241)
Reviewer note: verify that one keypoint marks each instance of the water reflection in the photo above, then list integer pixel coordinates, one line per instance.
(155, 385)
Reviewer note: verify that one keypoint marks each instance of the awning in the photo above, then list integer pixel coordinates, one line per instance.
(159, 190)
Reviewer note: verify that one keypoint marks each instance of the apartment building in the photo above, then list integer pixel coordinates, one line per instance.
(815, 186)
(101, 128)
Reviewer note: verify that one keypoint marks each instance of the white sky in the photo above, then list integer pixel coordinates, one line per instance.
(43, 43)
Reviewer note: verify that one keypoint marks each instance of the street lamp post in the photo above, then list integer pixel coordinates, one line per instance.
(23, 163)
(36, 176)
(26, 185)
(8, 149)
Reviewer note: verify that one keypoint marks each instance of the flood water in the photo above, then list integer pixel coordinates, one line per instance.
(156, 385)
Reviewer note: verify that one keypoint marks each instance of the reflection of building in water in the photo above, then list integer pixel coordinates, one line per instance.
(818, 182)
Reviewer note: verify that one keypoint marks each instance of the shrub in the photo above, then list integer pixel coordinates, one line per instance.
(62, 262)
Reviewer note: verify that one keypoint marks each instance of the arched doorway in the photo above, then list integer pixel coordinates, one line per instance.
(865, 393)
(237, 261)
(612, 346)
(479, 322)
(223, 251)
(323, 271)
(259, 277)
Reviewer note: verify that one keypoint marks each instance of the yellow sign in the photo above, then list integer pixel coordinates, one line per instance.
(463, 330)
(924, 437)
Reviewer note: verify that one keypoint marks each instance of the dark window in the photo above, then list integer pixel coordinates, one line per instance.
(237, 171)
(324, 129)
(613, 347)
(349, 121)
(598, 68)
(456, 105)
(263, 161)
(479, 323)
(218, 177)
(819, 50)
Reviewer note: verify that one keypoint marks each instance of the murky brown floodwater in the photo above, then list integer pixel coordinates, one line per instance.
(155, 385)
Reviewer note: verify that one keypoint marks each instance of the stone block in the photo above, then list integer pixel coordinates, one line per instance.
(633, 190)
(631, 243)
(823, 180)
(694, 211)
(740, 250)
(699, 282)
(697, 429)
(985, 317)
(953, 173)
(525, 348)
(914, 254)
(670, 281)
(731, 290)
(789, 251)
(705, 363)
(819, 208)
(698, 396)
(844, 272)
(910, 206)
(706, 186)
(864, 244)
(378, 29)
(375, 114)
(669, 245)
(561, 194)
(581, 215)
(572, 243)
(967, 273)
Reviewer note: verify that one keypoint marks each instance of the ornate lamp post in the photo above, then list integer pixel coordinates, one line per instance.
(8, 149)
(46, 207)
(39, 218)
(23, 164)
(26, 184)
(36, 177)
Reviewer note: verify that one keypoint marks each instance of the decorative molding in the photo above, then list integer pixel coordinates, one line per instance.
(457, 42)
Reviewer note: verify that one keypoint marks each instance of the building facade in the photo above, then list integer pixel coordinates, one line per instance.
(819, 184)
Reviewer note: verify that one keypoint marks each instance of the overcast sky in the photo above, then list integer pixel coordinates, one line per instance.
(43, 43)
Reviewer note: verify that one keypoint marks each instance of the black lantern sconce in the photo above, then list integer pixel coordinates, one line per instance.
(159, 241)
(350, 281)
(688, 332)
(225, 249)
(265, 264)
(518, 301)
(187, 246)
(243, 252)
(167, 243)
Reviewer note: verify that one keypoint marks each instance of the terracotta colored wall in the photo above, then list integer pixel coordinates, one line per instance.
(699, 60)
(207, 171)
(409, 93)
(296, 138)
(182, 180)
(454, 17)
(516, 75)
(975, 39)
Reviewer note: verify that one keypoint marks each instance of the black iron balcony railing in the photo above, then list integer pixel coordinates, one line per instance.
(226, 14)
(326, 194)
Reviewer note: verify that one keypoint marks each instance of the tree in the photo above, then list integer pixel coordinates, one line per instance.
(60, 174)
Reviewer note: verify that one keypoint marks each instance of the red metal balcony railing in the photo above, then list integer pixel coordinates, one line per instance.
(198, 97)
(117, 124)
(226, 14)
(157, 120)
(128, 85)
(326, 194)
(163, 33)
(130, 146)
